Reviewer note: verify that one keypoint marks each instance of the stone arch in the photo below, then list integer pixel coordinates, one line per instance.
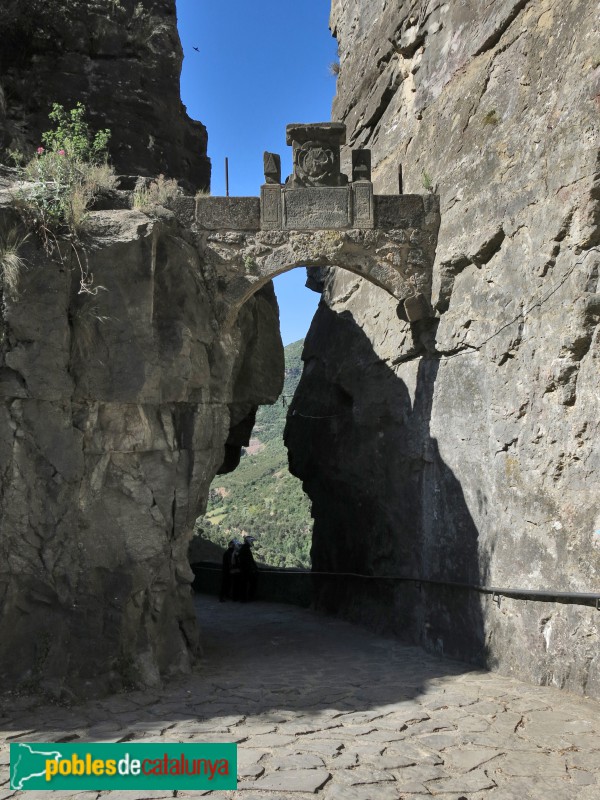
(319, 217)
(398, 259)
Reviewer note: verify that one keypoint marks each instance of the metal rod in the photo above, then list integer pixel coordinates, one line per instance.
(400, 181)
(226, 176)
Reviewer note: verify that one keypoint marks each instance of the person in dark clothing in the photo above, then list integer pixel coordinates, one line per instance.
(248, 570)
(226, 577)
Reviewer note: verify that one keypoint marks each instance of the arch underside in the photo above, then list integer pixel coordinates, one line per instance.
(398, 261)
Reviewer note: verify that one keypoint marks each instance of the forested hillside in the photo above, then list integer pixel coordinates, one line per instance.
(261, 497)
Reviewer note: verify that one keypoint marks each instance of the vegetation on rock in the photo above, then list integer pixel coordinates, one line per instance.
(65, 175)
(59, 183)
(11, 263)
(157, 193)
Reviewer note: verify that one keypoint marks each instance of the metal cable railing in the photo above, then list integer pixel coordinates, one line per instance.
(497, 592)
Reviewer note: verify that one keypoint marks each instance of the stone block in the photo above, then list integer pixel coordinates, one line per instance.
(417, 307)
(399, 211)
(361, 165)
(272, 168)
(270, 207)
(184, 208)
(362, 195)
(228, 213)
(316, 154)
(317, 208)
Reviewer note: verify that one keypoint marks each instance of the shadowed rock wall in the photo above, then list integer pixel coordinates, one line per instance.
(122, 60)
(115, 413)
(477, 459)
(117, 408)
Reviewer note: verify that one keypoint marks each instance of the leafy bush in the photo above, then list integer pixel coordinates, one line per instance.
(72, 136)
(62, 179)
(426, 181)
(491, 118)
(65, 175)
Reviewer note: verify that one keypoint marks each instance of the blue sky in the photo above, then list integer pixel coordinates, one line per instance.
(259, 67)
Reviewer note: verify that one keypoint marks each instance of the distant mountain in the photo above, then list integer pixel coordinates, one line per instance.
(261, 497)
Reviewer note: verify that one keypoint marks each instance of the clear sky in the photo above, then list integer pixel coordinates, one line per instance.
(259, 66)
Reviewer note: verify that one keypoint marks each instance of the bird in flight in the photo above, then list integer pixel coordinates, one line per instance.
(197, 49)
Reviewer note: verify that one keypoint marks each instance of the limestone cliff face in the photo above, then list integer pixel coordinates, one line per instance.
(115, 411)
(477, 459)
(122, 60)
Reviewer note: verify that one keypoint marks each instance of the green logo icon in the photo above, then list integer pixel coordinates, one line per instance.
(101, 766)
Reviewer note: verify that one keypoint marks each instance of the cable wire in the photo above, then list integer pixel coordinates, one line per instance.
(473, 348)
(577, 598)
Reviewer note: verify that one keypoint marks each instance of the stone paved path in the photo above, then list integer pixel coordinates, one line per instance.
(322, 708)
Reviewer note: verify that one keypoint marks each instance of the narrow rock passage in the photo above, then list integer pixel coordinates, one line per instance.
(322, 708)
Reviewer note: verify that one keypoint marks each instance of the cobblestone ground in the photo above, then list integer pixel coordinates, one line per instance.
(322, 708)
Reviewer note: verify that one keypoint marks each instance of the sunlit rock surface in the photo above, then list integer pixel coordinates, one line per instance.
(470, 453)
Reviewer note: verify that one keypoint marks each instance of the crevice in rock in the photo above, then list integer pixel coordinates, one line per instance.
(496, 35)
(386, 98)
(489, 249)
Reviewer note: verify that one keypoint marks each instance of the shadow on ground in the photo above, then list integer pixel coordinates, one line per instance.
(320, 707)
(259, 659)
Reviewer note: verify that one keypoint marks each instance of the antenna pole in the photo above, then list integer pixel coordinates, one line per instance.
(226, 176)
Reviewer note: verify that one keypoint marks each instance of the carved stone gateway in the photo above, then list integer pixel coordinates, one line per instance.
(317, 195)
(319, 218)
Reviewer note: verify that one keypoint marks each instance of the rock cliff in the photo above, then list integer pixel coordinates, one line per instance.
(122, 60)
(468, 451)
(117, 407)
(117, 410)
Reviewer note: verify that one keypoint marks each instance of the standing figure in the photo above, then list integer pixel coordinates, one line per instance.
(226, 583)
(248, 569)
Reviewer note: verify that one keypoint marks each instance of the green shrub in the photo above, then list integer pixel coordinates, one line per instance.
(426, 181)
(72, 136)
(64, 176)
(491, 118)
(61, 181)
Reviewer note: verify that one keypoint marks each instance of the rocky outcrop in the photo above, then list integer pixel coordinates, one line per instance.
(115, 414)
(122, 60)
(472, 456)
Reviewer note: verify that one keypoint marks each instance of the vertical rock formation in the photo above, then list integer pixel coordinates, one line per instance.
(118, 407)
(122, 60)
(468, 453)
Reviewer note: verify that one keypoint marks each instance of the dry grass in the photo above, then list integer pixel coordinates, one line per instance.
(94, 179)
(60, 191)
(11, 263)
(157, 193)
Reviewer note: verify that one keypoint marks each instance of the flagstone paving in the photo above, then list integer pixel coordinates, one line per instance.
(321, 708)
